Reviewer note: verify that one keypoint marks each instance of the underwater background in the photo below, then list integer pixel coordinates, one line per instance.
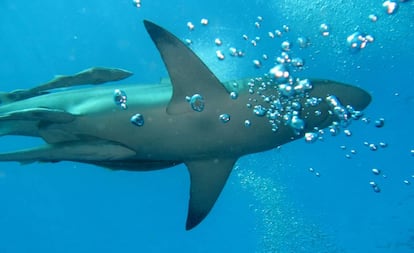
(347, 193)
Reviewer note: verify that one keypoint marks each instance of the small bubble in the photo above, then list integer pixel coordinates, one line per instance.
(197, 102)
(137, 3)
(383, 144)
(234, 95)
(366, 120)
(219, 55)
(379, 122)
(317, 174)
(373, 17)
(278, 33)
(412, 152)
(190, 26)
(297, 62)
(257, 63)
(224, 118)
(218, 42)
(285, 46)
(407, 182)
(280, 72)
(259, 110)
(390, 6)
(303, 42)
(376, 171)
(311, 137)
(347, 132)
(247, 123)
(375, 187)
(204, 21)
(324, 30)
(297, 123)
(286, 28)
(373, 147)
(120, 98)
(245, 37)
(188, 41)
(137, 119)
(271, 35)
(311, 169)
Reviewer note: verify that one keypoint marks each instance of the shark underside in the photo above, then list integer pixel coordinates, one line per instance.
(191, 119)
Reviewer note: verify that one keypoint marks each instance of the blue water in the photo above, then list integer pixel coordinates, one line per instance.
(272, 202)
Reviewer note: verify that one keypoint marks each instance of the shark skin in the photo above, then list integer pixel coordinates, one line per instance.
(85, 125)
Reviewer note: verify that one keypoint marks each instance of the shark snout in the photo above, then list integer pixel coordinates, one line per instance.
(347, 94)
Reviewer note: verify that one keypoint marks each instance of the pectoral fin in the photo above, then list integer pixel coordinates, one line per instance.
(208, 178)
(71, 151)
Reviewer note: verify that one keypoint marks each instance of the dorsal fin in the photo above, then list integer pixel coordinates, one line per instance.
(188, 74)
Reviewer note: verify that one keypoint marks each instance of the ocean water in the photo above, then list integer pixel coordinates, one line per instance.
(301, 197)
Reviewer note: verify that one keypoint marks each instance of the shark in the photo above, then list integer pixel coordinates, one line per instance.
(190, 118)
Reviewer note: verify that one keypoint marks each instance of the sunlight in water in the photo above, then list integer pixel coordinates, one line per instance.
(281, 225)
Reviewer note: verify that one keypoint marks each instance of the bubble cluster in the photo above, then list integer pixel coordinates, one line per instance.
(358, 41)
(120, 98)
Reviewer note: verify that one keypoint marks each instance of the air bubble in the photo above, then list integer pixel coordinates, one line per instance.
(379, 122)
(197, 102)
(373, 17)
(190, 26)
(259, 110)
(137, 3)
(324, 30)
(234, 95)
(373, 147)
(220, 55)
(224, 118)
(376, 171)
(120, 98)
(137, 119)
(285, 46)
(311, 137)
(303, 42)
(280, 72)
(218, 42)
(204, 21)
(247, 123)
(390, 6)
(347, 132)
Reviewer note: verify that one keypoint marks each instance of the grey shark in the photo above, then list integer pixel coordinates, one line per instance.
(193, 118)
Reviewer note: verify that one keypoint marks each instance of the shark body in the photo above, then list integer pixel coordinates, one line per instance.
(86, 125)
